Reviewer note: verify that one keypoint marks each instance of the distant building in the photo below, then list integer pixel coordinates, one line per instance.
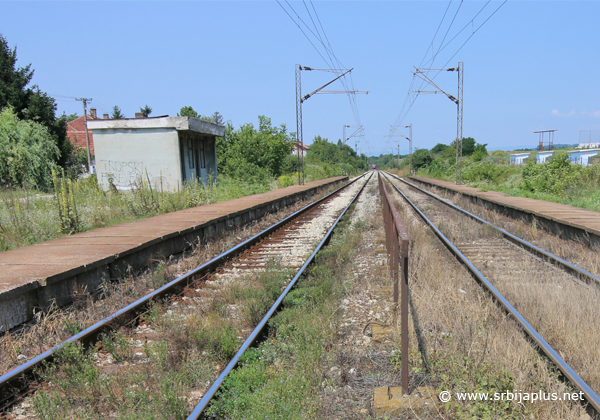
(577, 157)
(542, 156)
(589, 139)
(166, 151)
(76, 131)
(297, 147)
(518, 158)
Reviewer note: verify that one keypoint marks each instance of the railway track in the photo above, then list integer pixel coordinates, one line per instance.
(291, 244)
(554, 301)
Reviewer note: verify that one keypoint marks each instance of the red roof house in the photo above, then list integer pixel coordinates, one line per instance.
(76, 131)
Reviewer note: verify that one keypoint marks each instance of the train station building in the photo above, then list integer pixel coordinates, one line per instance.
(164, 151)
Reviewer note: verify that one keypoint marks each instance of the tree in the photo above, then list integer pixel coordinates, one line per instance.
(422, 158)
(146, 110)
(70, 117)
(251, 154)
(215, 118)
(322, 151)
(116, 113)
(480, 152)
(439, 148)
(27, 150)
(29, 102)
(187, 111)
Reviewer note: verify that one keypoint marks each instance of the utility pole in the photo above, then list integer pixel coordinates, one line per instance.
(356, 157)
(459, 109)
(409, 138)
(459, 123)
(344, 142)
(360, 132)
(409, 126)
(299, 149)
(300, 100)
(87, 134)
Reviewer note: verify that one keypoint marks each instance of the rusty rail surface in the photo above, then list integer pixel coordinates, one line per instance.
(397, 246)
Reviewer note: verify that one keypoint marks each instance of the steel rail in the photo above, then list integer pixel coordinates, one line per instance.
(572, 268)
(16, 379)
(591, 397)
(201, 406)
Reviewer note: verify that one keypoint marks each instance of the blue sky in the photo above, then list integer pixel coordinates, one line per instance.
(532, 66)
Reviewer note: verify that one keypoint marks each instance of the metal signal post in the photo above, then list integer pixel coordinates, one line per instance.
(459, 109)
(300, 99)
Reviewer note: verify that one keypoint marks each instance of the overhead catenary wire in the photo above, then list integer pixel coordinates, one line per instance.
(411, 96)
(321, 38)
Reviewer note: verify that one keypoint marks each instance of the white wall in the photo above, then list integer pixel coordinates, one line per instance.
(132, 154)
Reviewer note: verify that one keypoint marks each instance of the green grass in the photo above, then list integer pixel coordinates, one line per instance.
(557, 181)
(28, 216)
(26, 219)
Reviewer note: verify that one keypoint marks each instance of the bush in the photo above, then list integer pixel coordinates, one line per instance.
(27, 152)
(555, 177)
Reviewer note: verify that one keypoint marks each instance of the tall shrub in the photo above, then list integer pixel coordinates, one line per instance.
(27, 152)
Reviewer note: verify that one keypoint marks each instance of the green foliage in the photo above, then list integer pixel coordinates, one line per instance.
(254, 155)
(65, 202)
(70, 117)
(285, 181)
(439, 148)
(116, 113)
(29, 102)
(27, 152)
(187, 111)
(421, 158)
(215, 118)
(336, 159)
(146, 111)
(26, 219)
(555, 177)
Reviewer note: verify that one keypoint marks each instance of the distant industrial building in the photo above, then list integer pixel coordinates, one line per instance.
(589, 139)
(578, 157)
(518, 158)
(165, 151)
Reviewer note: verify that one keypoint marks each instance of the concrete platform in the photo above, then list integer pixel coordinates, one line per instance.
(563, 220)
(390, 401)
(32, 277)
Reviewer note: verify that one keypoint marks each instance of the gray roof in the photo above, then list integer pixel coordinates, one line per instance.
(177, 123)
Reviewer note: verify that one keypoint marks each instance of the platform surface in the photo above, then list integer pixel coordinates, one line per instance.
(577, 217)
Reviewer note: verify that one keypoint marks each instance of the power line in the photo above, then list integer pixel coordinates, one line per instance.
(332, 60)
(411, 98)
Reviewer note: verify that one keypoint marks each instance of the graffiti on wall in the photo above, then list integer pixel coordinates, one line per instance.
(123, 174)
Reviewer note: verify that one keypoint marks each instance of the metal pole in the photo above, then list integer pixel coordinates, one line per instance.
(344, 144)
(404, 314)
(459, 123)
(299, 144)
(410, 149)
(87, 134)
(356, 157)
